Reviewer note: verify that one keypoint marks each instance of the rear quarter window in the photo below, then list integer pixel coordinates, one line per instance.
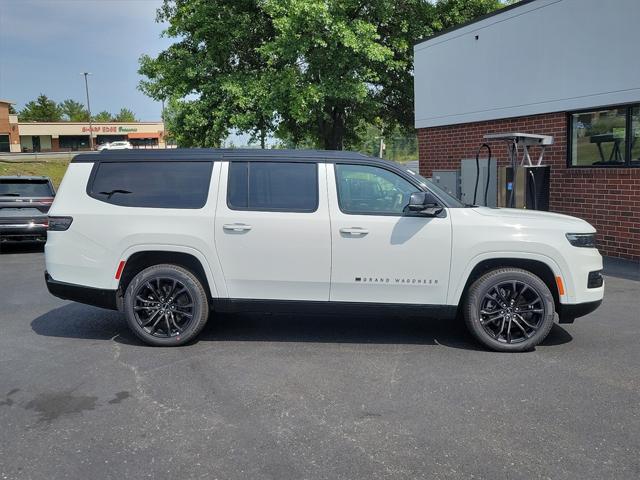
(152, 184)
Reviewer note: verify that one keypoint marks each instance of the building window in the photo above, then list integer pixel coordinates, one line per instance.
(605, 137)
(4, 143)
(74, 142)
(635, 136)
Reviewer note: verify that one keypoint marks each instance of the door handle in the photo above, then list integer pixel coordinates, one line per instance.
(356, 231)
(236, 227)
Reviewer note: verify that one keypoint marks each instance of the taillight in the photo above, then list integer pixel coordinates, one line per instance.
(59, 224)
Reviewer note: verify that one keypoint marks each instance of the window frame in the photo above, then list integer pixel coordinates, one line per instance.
(265, 209)
(628, 107)
(378, 214)
(96, 167)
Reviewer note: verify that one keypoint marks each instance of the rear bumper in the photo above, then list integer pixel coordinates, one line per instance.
(78, 293)
(23, 229)
(569, 312)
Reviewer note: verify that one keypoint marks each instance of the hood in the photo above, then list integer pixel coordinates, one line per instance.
(566, 222)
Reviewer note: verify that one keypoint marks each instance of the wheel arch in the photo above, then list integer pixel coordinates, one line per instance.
(138, 260)
(538, 267)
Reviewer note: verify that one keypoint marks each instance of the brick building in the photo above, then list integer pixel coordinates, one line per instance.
(16, 136)
(566, 68)
(8, 127)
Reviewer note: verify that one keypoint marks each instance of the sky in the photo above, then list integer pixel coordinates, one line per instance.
(46, 44)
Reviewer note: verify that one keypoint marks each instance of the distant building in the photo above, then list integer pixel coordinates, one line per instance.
(18, 136)
(566, 68)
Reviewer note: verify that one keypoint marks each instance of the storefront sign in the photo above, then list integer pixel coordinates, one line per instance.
(110, 129)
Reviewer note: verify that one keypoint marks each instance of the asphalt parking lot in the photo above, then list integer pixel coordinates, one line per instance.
(284, 397)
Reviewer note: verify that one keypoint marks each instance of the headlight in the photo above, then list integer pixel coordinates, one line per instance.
(585, 240)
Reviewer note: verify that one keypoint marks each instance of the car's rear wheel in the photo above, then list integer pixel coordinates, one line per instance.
(509, 310)
(166, 305)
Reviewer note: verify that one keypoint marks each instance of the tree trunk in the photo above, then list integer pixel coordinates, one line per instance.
(333, 130)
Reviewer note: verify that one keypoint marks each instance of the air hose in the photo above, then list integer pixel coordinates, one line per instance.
(486, 190)
(535, 190)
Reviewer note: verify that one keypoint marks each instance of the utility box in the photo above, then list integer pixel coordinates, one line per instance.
(448, 180)
(469, 174)
(525, 186)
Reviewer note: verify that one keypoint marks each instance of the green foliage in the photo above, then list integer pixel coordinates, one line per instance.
(74, 111)
(44, 109)
(54, 168)
(191, 124)
(605, 124)
(103, 116)
(41, 110)
(312, 72)
(449, 13)
(125, 115)
(400, 145)
(12, 110)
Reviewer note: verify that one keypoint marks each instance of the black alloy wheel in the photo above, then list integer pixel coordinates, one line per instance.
(163, 307)
(512, 311)
(166, 305)
(509, 309)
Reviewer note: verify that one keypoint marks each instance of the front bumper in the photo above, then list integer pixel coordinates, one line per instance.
(79, 293)
(569, 312)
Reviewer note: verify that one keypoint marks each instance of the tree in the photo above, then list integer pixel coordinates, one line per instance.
(12, 110)
(449, 13)
(309, 71)
(74, 111)
(124, 115)
(190, 124)
(103, 116)
(41, 110)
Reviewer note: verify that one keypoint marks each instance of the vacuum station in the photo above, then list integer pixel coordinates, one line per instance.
(522, 183)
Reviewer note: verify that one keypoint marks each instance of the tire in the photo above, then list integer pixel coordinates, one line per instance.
(509, 310)
(166, 305)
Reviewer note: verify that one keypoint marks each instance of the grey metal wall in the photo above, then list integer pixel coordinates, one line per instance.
(540, 57)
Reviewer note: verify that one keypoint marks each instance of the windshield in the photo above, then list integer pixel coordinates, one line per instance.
(449, 199)
(25, 188)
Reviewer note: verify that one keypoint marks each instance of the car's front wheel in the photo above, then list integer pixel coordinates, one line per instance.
(509, 310)
(166, 305)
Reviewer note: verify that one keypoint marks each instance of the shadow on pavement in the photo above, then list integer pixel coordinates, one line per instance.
(83, 322)
(79, 321)
(621, 268)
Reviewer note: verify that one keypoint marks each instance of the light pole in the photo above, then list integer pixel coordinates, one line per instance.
(86, 87)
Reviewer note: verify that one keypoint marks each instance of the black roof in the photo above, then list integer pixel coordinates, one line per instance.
(504, 9)
(231, 154)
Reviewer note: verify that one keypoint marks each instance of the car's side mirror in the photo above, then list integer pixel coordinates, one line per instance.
(423, 204)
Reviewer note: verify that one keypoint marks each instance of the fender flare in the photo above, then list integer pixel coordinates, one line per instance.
(456, 293)
(217, 286)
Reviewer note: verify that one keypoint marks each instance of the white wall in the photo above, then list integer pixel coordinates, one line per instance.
(544, 56)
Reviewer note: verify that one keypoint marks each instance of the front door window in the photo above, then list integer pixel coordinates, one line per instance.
(367, 190)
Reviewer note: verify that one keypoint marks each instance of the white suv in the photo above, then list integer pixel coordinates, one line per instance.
(168, 236)
(119, 145)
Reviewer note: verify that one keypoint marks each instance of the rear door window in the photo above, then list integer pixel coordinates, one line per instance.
(152, 184)
(273, 186)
